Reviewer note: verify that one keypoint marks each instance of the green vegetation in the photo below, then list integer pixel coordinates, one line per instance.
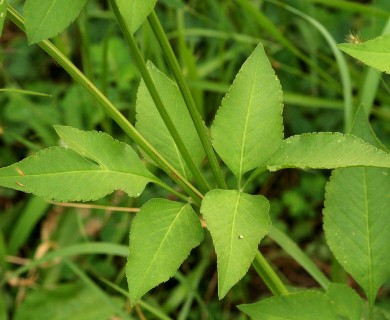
(174, 160)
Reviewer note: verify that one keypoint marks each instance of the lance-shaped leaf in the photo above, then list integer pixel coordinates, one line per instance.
(152, 127)
(65, 175)
(326, 150)
(305, 305)
(248, 127)
(135, 11)
(161, 238)
(237, 222)
(3, 12)
(47, 18)
(345, 300)
(375, 52)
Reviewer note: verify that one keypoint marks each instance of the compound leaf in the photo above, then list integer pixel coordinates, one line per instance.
(375, 52)
(135, 11)
(326, 150)
(65, 175)
(161, 238)
(237, 222)
(152, 127)
(248, 127)
(47, 18)
(304, 305)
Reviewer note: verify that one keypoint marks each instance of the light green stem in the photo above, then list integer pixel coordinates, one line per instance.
(268, 275)
(110, 109)
(188, 98)
(140, 62)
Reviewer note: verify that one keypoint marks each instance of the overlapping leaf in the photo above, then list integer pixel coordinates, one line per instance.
(375, 52)
(135, 12)
(65, 175)
(152, 127)
(237, 222)
(345, 300)
(248, 127)
(305, 305)
(3, 12)
(326, 150)
(161, 238)
(47, 18)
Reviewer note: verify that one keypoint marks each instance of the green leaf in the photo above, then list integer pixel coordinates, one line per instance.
(237, 222)
(345, 300)
(305, 305)
(135, 12)
(361, 128)
(64, 175)
(102, 149)
(152, 127)
(70, 301)
(325, 150)
(3, 13)
(375, 52)
(356, 219)
(248, 127)
(357, 224)
(161, 238)
(47, 18)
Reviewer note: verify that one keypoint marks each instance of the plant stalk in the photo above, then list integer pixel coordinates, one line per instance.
(140, 62)
(188, 98)
(109, 108)
(268, 275)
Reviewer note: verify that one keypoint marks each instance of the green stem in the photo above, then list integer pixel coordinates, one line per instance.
(188, 98)
(268, 275)
(140, 62)
(171, 190)
(110, 109)
(253, 176)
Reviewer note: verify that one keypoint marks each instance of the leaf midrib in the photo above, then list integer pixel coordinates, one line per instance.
(246, 123)
(159, 248)
(232, 236)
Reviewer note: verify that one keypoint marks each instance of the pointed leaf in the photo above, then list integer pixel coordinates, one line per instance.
(152, 127)
(345, 300)
(357, 224)
(47, 18)
(161, 238)
(135, 11)
(3, 13)
(102, 149)
(375, 52)
(237, 222)
(248, 127)
(326, 150)
(64, 175)
(362, 129)
(305, 305)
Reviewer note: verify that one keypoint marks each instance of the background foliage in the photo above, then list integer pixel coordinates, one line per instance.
(211, 39)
